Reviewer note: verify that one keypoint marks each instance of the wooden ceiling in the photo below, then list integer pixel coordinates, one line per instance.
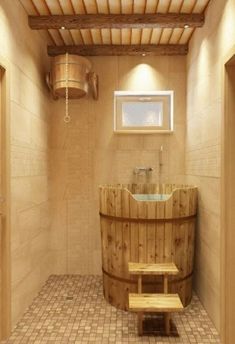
(117, 27)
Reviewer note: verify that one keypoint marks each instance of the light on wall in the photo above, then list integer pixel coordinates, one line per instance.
(142, 77)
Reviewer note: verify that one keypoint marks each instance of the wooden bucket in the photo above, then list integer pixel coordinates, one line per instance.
(78, 71)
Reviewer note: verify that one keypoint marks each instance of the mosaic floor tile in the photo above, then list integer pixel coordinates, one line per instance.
(71, 309)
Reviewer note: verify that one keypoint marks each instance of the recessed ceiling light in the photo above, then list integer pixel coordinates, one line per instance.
(186, 26)
(62, 28)
(143, 54)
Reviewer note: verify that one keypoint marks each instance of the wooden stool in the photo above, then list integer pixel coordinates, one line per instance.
(162, 303)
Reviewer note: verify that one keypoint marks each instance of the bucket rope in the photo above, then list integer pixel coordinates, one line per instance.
(67, 117)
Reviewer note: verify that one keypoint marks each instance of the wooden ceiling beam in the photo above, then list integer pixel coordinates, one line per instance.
(119, 50)
(116, 21)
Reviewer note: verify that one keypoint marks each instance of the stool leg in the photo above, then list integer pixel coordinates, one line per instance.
(140, 323)
(167, 317)
(140, 314)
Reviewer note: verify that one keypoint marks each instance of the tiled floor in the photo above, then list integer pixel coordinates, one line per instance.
(71, 309)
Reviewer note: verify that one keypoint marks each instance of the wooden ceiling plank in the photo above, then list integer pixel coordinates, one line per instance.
(106, 37)
(96, 5)
(131, 34)
(41, 7)
(163, 6)
(139, 6)
(90, 6)
(86, 36)
(165, 36)
(96, 36)
(168, 9)
(180, 9)
(120, 5)
(156, 35)
(180, 36)
(119, 50)
(77, 37)
(185, 36)
(190, 36)
(114, 6)
(56, 37)
(78, 6)
(169, 38)
(188, 6)
(175, 6)
(116, 21)
(145, 6)
(116, 36)
(67, 37)
(160, 36)
(126, 36)
(175, 37)
(102, 6)
(51, 37)
(135, 36)
(146, 36)
(126, 6)
(54, 7)
(200, 6)
(66, 6)
(29, 7)
(151, 6)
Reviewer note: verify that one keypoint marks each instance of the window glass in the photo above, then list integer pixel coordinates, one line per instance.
(144, 112)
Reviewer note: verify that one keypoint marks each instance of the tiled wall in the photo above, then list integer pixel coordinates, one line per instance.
(86, 153)
(25, 53)
(207, 50)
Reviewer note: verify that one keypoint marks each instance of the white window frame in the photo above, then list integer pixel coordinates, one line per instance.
(144, 130)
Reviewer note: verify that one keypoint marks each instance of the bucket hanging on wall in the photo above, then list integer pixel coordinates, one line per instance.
(75, 72)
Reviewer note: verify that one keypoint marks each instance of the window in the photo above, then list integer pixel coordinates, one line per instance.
(143, 112)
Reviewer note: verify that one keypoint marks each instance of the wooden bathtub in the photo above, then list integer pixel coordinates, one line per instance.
(146, 231)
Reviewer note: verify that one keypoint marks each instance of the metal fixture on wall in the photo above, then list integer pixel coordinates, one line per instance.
(142, 174)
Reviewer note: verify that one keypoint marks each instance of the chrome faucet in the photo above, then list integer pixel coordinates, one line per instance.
(139, 170)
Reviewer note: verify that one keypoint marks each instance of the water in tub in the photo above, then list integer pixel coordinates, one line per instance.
(151, 197)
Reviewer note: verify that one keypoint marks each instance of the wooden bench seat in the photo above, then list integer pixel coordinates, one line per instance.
(152, 269)
(155, 303)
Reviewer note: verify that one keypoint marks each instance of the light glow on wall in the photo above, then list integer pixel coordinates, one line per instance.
(143, 77)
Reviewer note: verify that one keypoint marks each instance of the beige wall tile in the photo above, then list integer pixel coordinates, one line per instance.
(25, 52)
(203, 142)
